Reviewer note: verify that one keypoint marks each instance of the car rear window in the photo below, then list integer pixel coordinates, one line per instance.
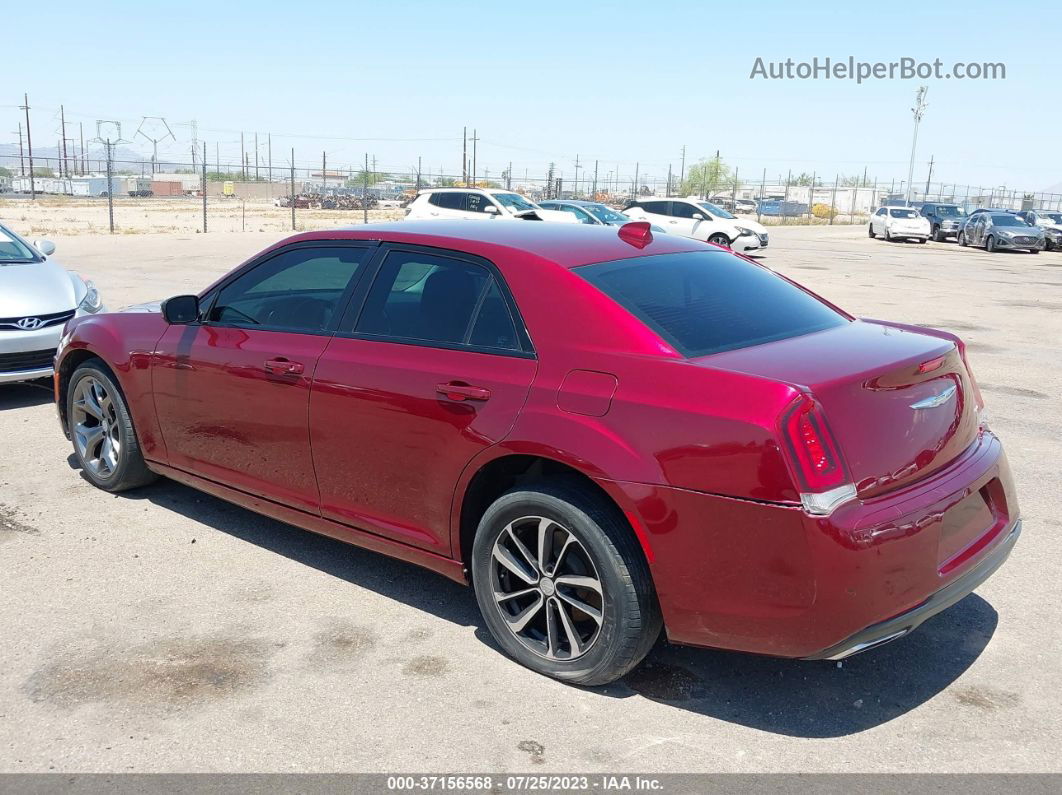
(705, 302)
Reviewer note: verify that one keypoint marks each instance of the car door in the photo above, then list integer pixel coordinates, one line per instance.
(975, 230)
(657, 212)
(428, 369)
(877, 221)
(447, 204)
(232, 391)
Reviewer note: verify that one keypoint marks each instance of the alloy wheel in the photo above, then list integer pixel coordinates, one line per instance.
(96, 427)
(546, 588)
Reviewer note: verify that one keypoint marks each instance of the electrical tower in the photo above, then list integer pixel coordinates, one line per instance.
(155, 125)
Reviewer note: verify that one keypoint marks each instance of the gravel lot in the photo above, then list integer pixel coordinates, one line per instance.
(165, 630)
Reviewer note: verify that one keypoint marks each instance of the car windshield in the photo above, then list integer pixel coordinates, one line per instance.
(719, 212)
(513, 202)
(606, 215)
(1055, 218)
(705, 302)
(13, 250)
(950, 211)
(903, 213)
(1007, 220)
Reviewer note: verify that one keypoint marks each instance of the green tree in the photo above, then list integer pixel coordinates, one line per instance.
(43, 171)
(5, 172)
(706, 177)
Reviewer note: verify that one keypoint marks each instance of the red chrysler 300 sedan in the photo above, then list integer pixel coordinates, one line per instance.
(603, 431)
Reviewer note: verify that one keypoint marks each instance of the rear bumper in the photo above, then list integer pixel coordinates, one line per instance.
(897, 627)
(770, 579)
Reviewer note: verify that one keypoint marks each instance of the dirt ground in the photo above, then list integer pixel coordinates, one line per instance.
(165, 630)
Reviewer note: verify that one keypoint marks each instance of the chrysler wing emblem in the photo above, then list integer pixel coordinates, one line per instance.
(29, 323)
(935, 400)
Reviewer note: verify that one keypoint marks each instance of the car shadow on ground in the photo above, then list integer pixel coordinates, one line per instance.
(813, 699)
(24, 394)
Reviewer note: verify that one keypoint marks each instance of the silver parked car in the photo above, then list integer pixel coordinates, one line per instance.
(1001, 230)
(37, 297)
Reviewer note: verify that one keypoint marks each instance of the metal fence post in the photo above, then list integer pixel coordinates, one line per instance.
(204, 188)
(293, 189)
(785, 198)
(833, 198)
(763, 187)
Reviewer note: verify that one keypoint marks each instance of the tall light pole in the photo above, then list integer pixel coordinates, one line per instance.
(917, 110)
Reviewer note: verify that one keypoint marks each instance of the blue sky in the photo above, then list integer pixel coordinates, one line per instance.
(542, 81)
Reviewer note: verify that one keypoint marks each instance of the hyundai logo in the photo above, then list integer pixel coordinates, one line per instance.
(29, 323)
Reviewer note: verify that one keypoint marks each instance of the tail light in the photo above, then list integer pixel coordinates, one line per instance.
(815, 458)
(973, 381)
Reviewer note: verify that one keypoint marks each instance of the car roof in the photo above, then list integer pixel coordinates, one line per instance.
(464, 190)
(577, 202)
(567, 245)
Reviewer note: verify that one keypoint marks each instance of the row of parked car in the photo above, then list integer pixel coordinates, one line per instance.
(990, 228)
(689, 217)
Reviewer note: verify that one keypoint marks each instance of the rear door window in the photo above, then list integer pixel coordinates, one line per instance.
(705, 302)
(450, 201)
(657, 208)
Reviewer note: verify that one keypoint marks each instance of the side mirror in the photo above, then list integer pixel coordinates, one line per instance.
(181, 309)
(46, 247)
(698, 217)
(491, 209)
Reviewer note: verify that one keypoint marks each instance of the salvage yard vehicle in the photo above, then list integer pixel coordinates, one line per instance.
(995, 231)
(476, 204)
(898, 223)
(1050, 222)
(945, 220)
(592, 213)
(701, 220)
(37, 296)
(606, 431)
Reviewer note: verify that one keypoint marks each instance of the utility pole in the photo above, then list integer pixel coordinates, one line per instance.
(243, 159)
(293, 189)
(918, 110)
(84, 160)
(635, 194)
(475, 139)
(365, 192)
(256, 157)
(928, 178)
(21, 158)
(575, 188)
(464, 157)
(418, 173)
(324, 172)
(195, 143)
(62, 124)
(682, 172)
(509, 177)
(29, 148)
(269, 153)
(668, 179)
(154, 141)
(594, 197)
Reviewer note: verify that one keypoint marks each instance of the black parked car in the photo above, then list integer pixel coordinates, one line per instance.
(945, 220)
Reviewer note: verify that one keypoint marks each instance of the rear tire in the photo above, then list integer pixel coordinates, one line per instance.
(990, 245)
(102, 432)
(870, 231)
(542, 551)
(1034, 251)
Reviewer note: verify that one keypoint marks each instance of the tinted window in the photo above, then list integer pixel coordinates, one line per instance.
(705, 302)
(449, 201)
(477, 203)
(660, 208)
(437, 299)
(298, 290)
(683, 210)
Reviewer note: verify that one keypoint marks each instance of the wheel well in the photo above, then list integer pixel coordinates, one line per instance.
(74, 360)
(502, 474)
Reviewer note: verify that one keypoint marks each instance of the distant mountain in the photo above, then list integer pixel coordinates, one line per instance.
(1056, 188)
(125, 158)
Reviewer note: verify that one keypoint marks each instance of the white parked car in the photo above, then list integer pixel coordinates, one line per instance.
(37, 297)
(479, 204)
(701, 220)
(899, 223)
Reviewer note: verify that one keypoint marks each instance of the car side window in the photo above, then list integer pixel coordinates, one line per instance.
(454, 200)
(880, 212)
(476, 202)
(683, 210)
(657, 208)
(297, 290)
(418, 296)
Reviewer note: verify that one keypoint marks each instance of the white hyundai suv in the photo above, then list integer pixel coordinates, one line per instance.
(899, 223)
(479, 204)
(701, 220)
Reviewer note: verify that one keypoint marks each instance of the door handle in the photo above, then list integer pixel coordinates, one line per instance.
(463, 392)
(282, 366)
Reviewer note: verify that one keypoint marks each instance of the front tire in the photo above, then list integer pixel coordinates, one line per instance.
(720, 240)
(937, 236)
(961, 239)
(888, 237)
(563, 585)
(102, 432)
(870, 231)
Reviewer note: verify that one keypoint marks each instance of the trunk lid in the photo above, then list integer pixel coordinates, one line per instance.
(900, 403)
